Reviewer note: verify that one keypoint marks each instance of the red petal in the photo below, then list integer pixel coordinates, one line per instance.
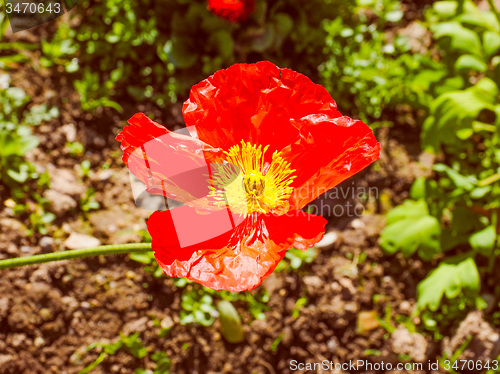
(179, 233)
(232, 10)
(171, 164)
(258, 103)
(141, 130)
(328, 152)
(237, 260)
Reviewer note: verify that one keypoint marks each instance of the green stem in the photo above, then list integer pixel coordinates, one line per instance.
(75, 253)
(494, 9)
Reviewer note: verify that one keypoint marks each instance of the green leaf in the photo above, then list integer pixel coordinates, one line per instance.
(470, 62)
(409, 209)
(418, 190)
(163, 363)
(450, 84)
(111, 104)
(94, 364)
(458, 180)
(445, 9)
(480, 192)
(491, 42)
(423, 187)
(474, 17)
(462, 39)
(17, 95)
(450, 280)
(464, 134)
(394, 16)
(449, 114)
(143, 258)
(464, 222)
(484, 241)
(230, 322)
(21, 175)
(486, 90)
(409, 229)
(40, 113)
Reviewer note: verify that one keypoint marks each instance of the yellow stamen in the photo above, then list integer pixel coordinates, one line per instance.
(248, 184)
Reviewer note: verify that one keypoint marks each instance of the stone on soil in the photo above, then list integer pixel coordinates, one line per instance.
(78, 241)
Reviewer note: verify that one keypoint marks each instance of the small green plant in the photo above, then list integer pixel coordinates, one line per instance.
(299, 304)
(276, 342)
(256, 301)
(386, 322)
(39, 218)
(296, 258)
(372, 352)
(14, 53)
(151, 266)
(84, 169)
(156, 50)
(16, 138)
(163, 364)
(363, 64)
(454, 213)
(133, 345)
(88, 202)
(197, 307)
(76, 149)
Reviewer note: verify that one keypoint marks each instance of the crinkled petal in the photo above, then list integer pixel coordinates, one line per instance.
(141, 130)
(329, 151)
(239, 259)
(170, 164)
(257, 103)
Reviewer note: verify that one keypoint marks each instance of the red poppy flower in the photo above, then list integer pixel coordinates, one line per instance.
(232, 10)
(270, 141)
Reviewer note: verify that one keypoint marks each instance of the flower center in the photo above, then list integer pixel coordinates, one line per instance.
(248, 184)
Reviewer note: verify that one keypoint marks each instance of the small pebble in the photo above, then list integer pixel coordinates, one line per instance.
(25, 248)
(357, 224)
(46, 314)
(12, 249)
(332, 345)
(130, 274)
(85, 305)
(46, 243)
(167, 323)
(39, 341)
(100, 279)
(78, 241)
(9, 203)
